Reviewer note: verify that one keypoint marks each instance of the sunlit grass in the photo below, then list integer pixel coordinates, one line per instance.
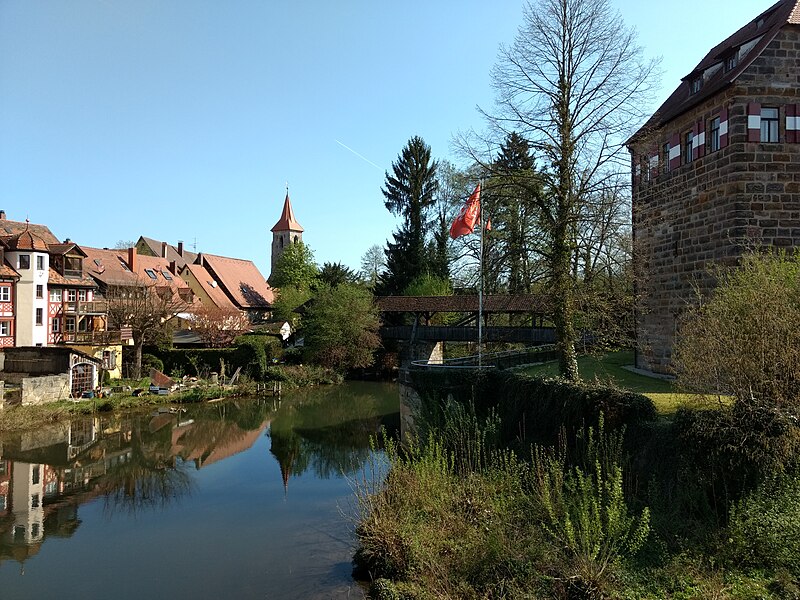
(610, 369)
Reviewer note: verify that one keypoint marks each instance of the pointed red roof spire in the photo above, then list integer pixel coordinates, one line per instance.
(287, 222)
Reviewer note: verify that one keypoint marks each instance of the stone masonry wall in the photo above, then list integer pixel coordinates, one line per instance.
(48, 388)
(709, 210)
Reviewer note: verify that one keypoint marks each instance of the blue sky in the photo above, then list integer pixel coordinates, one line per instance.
(185, 119)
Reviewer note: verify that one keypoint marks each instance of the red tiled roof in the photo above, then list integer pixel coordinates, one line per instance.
(8, 227)
(774, 18)
(55, 278)
(495, 303)
(27, 240)
(156, 249)
(287, 222)
(241, 279)
(106, 266)
(7, 272)
(210, 285)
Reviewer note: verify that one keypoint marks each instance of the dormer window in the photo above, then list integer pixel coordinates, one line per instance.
(731, 61)
(695, 84)
(151, 274)
(73, 266)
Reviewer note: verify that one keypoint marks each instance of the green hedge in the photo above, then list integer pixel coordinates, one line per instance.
(530, 409)
(254, 353)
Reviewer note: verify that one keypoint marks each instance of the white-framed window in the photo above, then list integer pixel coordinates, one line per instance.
(713, 137)
(769, 124)
(39, 291)
(5, 293)
(82, 295)
(69, 324)
(55, 295)
(55, 324)
(70, 295)
(40, 263)
(39, 316)
(5, 328)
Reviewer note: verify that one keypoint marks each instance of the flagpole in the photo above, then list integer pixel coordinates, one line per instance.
(480, 285)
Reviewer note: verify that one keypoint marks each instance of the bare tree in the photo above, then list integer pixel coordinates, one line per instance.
(218, 326)
(373, 262)
(573, 83)
(144, 308)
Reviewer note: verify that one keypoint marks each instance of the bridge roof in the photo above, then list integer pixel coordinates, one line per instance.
(494, 303)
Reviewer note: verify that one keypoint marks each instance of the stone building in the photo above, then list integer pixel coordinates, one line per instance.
(286, 231)
(715, 170)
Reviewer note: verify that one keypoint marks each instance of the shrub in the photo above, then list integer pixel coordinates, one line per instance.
(764, 527)
(150, 361)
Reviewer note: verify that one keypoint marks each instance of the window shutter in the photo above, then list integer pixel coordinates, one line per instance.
(753, 122)
(700, 139)
(791, 124)
(723, 127)
(653, 163)
(675, 151)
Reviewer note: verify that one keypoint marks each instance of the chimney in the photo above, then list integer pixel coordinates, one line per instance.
(2, 214)
(172, 267)
(132, 259)
(2, 256)
(163, 249)
(199, 259)
(180, 247)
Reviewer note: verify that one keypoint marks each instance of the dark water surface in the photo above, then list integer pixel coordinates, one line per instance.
(229, 500)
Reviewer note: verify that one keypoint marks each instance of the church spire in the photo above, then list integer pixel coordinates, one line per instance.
(287, 222)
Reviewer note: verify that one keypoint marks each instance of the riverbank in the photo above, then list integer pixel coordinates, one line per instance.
(291, 377)
(491, 505)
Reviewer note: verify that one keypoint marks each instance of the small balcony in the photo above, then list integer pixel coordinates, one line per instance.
(96, 307)
(93, 338)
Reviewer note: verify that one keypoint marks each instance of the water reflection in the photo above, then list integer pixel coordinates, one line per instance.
(143, 464)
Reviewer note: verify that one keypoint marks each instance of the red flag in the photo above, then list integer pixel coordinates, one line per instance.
(468, 215)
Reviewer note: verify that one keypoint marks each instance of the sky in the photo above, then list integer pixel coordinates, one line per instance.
(186, 119)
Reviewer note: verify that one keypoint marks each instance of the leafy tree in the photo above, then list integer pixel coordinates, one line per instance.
(295, 267)
(372, 264)
(341, 327)
(429, 285)
(144, 308)
(572, 83)
(409, 192)
(334, 274)
(218, 327)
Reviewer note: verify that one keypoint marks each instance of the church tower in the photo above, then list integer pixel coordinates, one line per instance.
(286, 231)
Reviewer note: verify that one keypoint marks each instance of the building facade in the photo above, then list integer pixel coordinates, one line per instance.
(716, 170)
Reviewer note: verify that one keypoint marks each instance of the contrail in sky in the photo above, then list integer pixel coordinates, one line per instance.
(364, 158)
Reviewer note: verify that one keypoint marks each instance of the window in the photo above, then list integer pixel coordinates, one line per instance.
(69, 325)
(151, 274)
(83, 325)
(695, 85)
(55, 324)
(70, 295)
(166, 275)
(40, 263)
(5, 294)
(713, 138)
(731, 62)
(769, 125)
(665, 157)
(40, 291)
(5, 328)
(24, 261)
(55, 295)
(35, 530)
(73, 266)
(35, 501)
(688, 147)
(82, 295)
(36, 475)
(39, 316)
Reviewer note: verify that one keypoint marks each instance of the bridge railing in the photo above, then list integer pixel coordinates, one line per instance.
(494, 360)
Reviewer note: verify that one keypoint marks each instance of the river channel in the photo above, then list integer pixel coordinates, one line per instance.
(245, 499)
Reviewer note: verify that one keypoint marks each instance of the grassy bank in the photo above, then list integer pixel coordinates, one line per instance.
(29, 417)
(610, 369)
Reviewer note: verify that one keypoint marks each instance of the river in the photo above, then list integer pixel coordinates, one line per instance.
(237, 500)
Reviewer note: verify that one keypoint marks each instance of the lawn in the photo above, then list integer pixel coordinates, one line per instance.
(609, 369)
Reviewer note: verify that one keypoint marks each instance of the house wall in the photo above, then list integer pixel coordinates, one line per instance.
(44, 389)
(28, 333)
(97, 352)
(711, 209)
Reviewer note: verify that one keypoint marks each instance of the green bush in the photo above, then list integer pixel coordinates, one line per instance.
(764, 527)
(150, 361)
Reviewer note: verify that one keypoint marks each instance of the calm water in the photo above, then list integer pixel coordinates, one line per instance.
(235, 500)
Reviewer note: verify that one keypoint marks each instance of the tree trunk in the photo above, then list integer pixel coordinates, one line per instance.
(137, 358)
(563, 309)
